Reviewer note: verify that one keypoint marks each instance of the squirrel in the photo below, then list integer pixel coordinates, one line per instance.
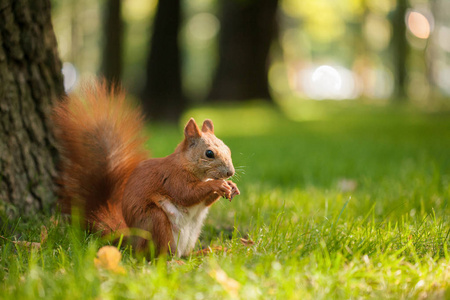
(107, 175)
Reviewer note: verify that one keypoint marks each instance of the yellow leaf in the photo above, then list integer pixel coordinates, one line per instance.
(228, 284)
(108, 258)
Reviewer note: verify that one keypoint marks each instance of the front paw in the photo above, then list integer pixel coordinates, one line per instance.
(234, 189)
(222, 188)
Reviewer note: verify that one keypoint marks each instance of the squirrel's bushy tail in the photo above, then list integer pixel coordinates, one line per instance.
(101, 141)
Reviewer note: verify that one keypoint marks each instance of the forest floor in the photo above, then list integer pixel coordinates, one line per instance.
(339, 200)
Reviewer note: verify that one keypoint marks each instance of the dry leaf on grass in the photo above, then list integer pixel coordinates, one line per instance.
(175, 262)
(208, 250)
(31, 245)
(44, 234)
(247, 242)
(54, 221)
(108, 258)
(228, 284)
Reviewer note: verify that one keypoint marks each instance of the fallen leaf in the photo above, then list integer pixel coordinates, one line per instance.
(26, 244)
(54, 221)
(247, 242)
(175, 262)
(108, 258)
(33, 245)
(208, 250)
(228, 284)
(44, 234)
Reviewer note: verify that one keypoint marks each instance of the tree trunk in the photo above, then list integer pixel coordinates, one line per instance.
(400, 50)
(30, 80)
(162, 96)
(112, 48)
(247, 31)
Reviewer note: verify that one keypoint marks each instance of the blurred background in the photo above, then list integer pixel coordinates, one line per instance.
(175, 54)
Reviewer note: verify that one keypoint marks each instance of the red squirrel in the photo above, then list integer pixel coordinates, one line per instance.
(106, 173)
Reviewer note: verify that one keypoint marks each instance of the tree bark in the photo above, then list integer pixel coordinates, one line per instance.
(400, 50)
(247, 31)
(30, 80)
(162, 96)
(112, 48)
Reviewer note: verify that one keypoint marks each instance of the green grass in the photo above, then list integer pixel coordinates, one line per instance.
(343, 200)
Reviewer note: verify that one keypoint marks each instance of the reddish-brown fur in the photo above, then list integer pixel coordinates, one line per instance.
(104, 171)
(101, 144)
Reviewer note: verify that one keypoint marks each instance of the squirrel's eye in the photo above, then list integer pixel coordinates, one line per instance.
(209, 154)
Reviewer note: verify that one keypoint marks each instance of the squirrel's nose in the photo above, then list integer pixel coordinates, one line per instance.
(229, 170)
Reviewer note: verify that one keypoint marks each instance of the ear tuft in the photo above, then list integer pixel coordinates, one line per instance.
(191, 130)
(208, 126)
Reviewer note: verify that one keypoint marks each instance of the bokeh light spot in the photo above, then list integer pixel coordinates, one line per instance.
(327, 77)
(203, 26)
(418, 24)
(70, 76)
(328, 82)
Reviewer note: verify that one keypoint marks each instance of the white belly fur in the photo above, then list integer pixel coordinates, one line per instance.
(187, 224)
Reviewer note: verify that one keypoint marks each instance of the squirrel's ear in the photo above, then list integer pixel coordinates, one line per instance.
(208, 126)
(191, 130)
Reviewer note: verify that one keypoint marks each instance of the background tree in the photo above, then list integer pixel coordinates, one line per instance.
(247, 31)
(400, 49)
(162, 96)
(112, 48)
(30, 80)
